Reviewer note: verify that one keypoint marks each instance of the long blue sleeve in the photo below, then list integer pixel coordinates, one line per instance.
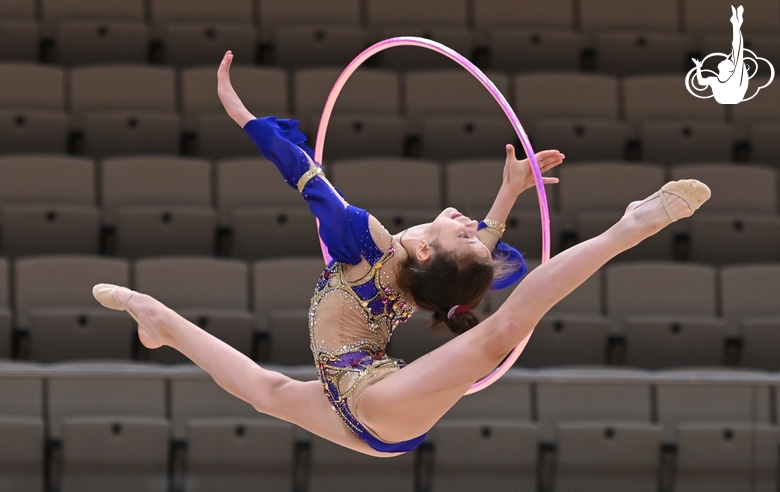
(341, 224)
(513, 257)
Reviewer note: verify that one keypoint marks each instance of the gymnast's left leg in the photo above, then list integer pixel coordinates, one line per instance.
(409, 402)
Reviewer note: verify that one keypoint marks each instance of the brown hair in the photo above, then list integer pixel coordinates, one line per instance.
(446, 280)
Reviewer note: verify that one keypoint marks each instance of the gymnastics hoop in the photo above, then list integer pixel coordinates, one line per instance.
(491, 87)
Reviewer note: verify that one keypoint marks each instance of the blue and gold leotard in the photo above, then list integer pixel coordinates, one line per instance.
(350, 321)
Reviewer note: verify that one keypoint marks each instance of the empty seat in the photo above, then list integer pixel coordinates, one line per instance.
(762, 107)
(282, 289)
(565, 95)
(363, 135)
(33, 131)
(277, 12)
(613, 395)
(582, 139)
(160, 205)
(212, 293)
(725, 238)
(19, 39)
(5, 315)
(320, 45)
(29, 86)
(461, 137)
(18, 9)
(120, 453)
(659, 288)
(657, 341)
(21, 390)
(509, 398)
(242, 455)
(98, 389)
(123, 87)
(110, 133)
(262, 89)
(536, 13)
(764, 146)
(334, 467)
(478, 454)
(443, 91)
(608, 456)
(735, 188)
(415, 338)
(426, 12)
(665, 96)
(524, 50)
(726, 456)
(22, 445)
(56, 10)
(201, 43)
(709, 16)
(54, 304)
(417, 58)
(684, 397)
(195, 396)
(611, 14)
(686, 141)
(749, 307)
(83, 42)
(367, 91)
(219, 137)
(182, 10)
(634, 52)
(250, 182)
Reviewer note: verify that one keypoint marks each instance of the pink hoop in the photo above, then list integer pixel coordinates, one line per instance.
(488, 84)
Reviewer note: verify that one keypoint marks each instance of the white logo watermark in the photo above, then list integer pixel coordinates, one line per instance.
(735, 70)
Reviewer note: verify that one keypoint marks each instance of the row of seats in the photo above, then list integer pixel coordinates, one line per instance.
(664, 15)
(662, 314)
(611, 430)
(624, 51)
(142, 206)
(140, 89)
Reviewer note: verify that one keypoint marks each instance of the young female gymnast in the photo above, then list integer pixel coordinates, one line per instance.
(378, 280)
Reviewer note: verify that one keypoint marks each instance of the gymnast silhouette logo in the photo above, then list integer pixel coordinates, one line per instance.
(735, 70)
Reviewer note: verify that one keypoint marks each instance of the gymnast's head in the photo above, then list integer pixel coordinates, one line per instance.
(447, 265)
(725, 69)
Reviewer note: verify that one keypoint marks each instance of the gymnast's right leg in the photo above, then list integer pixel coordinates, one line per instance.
(269, 392)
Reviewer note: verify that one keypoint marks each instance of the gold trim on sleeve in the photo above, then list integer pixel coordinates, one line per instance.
(314, 171)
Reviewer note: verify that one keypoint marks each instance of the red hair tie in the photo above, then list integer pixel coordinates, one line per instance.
(457, 310)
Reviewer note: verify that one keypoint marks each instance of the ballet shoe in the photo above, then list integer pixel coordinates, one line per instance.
(104, 293)
(693, 192)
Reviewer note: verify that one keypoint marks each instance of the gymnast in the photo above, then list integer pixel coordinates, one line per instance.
(372, 403)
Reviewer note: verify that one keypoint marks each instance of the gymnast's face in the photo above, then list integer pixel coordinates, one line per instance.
(453, 231)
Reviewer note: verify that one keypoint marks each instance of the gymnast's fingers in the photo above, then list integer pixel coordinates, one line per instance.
(548, 181)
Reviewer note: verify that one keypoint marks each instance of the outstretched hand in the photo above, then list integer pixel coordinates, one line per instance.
(518, 174)
(230, 100)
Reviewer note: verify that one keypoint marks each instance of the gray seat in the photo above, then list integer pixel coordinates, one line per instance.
(334, 467)
(219, 137)
(277, 12)
(317, 45)
(672, 142)
(199, 89)
(664, 96)
(164, 11)
(363, 135)
(205, 42)
(58, 10)
(535, 13)
(531, 49)
(427, 13)
(715, 457)
(33, 131)
(709, 16)
(22, 445)
(582, 139)
(735, 188)
(415, 58)
(241, 455)
(21, 389)
(114, 133)
(451, 92)
(751, 310)
(212, 293)
(763, 144)
(19, 39)
(725, 238)
(32, 87)
(293, 230)
(462, 137)
(129, 87)
(18, 9)
(641, 51)
(614, 395)
(311, 87)
(508, 398)
(565, 94)
(607, 457)
(83, 42)
(483, 454)
(611, 14)
(121, 453)
(282, 289)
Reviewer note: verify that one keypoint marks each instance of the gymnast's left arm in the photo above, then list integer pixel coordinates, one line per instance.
(517, 177)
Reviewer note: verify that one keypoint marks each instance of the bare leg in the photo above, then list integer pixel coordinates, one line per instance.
(410, 401)
(269, 392)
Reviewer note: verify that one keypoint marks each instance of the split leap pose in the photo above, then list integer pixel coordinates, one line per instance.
(372, 403)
